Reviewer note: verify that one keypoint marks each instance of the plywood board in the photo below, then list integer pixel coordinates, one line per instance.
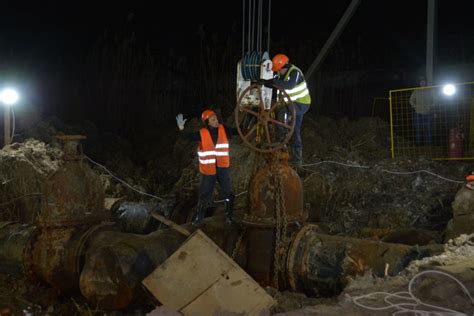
(236, 292)
(201, 279)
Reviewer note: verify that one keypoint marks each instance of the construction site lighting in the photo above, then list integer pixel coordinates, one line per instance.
(449, 89)
(9, 96)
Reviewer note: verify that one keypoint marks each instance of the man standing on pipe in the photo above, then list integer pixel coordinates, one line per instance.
(214, 163)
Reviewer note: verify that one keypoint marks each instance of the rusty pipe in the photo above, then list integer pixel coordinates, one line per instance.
(15, 241)
(117, 262)
(321, 265)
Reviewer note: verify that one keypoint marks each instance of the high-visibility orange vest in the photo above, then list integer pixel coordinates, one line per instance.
(211, 155)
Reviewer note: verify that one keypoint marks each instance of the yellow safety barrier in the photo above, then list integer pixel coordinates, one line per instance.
(432, 121)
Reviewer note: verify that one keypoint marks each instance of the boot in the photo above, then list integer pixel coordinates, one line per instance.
(229, 211)
(200, 214)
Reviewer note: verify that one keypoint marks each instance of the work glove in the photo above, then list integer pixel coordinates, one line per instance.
(180, 121)
(266, 82)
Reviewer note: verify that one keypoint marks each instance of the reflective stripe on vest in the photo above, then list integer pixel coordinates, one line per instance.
(210, 154)
(300, 93)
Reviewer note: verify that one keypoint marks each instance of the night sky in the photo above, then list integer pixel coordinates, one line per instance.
(48, 28)
(39, 40)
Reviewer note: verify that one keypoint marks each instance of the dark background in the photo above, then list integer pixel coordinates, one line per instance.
(131, 66)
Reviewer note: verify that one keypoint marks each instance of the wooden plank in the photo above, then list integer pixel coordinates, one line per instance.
(236, 292)
(171, 224)
(187, 273)
(201, 279)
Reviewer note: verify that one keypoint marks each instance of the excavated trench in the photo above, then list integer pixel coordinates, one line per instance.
(349, 210)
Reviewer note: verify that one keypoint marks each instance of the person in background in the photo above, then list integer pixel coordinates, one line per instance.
(214, 163)
(422, 102)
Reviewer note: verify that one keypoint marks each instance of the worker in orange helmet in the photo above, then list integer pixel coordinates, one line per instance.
(214, 163)
(291, 79)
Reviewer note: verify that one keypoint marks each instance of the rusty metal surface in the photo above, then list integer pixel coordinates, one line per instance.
(321, 265)
(14, 244)
(103, 281)
(260, 247)
(296, 249)
(72, 149)
(117, 262)
(58, 255)
(263, 191)
(52, 254)
(72, 196)
(261, 133)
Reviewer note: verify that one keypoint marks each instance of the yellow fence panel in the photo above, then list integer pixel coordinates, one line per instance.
(435, 122)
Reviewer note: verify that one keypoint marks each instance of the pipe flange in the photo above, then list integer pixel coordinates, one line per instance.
(292, 252)
(83, 241)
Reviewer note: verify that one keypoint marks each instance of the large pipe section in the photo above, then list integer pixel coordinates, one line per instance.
(15, 247)
(117, 262)
(114, 263)
(320, 265)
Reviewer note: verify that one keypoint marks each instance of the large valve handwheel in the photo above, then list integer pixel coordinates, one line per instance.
(265, 129)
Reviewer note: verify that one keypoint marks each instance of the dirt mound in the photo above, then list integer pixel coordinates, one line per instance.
(23, 170)
(364, 139)
(349, 181)
(348, 199)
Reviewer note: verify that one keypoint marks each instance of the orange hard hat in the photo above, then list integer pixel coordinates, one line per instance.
(278, 61)
(207, 114)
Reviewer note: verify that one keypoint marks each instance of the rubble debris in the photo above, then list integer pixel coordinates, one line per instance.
(23, 169)
(463, 214)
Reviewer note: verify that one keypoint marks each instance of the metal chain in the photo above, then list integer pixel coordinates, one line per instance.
(276, 259)
(281, 226)
(238, 242)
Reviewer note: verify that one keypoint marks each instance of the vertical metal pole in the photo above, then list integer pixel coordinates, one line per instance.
(268, 29)
(249, 46)
(430, 40)
(392, 147)
(243, 29)
(6, 125)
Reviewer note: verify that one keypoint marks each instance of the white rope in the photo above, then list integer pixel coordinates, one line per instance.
(335, 162)
(305, 165)
(383, 170)
(421, 171)
(123, 182)
(411, 303)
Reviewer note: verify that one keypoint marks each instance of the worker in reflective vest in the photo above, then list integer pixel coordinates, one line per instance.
(291, 79)
(214, 163)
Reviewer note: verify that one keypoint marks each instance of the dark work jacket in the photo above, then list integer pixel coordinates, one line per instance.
(295, 77)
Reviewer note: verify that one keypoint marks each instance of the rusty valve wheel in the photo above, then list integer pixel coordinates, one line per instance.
(259, 127)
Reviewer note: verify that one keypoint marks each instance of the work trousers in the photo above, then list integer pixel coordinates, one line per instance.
(296, 142)
(206, 187)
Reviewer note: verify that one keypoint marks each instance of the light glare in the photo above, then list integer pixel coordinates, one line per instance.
(449, 89)
(8, 96)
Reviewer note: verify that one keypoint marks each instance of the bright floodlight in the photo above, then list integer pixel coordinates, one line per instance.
(8, 96)
(449, 89)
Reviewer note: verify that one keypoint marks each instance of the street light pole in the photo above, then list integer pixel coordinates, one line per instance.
(6, 126)
(8, 97)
